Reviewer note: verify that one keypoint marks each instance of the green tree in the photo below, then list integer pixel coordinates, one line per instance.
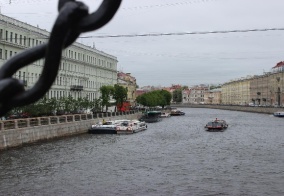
(177, 95)
(155, 98)
(167, 97)
(68, 104)
(106, 92)
(119, 95)
(97, 105)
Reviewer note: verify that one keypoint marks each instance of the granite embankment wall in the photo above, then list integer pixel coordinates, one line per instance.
(265, 110)
(18, 132)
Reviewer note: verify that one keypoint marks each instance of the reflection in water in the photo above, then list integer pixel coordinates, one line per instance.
(173, 157)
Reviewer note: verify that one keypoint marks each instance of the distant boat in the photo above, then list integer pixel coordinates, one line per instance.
(177, 113)
(216, 125)
(151, 116)
(278, 114)
(165, 114)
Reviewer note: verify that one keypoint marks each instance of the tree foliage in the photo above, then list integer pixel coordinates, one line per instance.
(155, 98)
(106, 93)
(119, 94)
(49, 107)
(177, 95)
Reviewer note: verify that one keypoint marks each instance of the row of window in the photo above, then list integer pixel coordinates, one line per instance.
(6, 54)
(30, 42)
(60, 81)
(65, 66)
(60, 94)
(19, 39)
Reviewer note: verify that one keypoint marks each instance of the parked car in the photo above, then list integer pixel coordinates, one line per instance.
(19, 115)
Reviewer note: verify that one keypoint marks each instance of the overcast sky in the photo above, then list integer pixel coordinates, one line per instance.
(179, 59)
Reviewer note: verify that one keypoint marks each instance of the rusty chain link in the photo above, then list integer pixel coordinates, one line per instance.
(73, 19)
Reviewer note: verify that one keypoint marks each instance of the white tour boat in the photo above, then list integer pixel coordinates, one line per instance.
(131, 126)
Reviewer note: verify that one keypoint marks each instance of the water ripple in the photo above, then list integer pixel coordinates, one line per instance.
(173, 157)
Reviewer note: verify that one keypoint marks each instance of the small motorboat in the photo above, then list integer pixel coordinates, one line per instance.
(216, 125)
(165, 115)
(177, 113)
(278, 114)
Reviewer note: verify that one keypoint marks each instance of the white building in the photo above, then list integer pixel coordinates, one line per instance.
(83, 70)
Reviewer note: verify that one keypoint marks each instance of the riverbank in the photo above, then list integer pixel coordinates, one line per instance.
(265, 110)
(19, 132)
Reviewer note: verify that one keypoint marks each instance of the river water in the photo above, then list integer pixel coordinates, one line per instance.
(173, 157)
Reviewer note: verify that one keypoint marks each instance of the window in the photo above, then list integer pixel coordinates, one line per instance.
(11, 36)
(20, 39)
(6, 35)
(24, 40)
(1, 33)
(16, 38)
(0, 53)
(6, 54)
(11, 54)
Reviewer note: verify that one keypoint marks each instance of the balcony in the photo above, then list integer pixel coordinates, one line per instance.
(76, 88)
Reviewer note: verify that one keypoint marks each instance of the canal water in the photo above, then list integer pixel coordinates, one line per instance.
(173, 157)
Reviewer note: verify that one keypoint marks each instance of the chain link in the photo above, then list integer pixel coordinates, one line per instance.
(73, 19)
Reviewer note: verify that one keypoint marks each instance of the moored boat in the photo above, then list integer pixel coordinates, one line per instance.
(151, 116)
(165, 115)
(278, 114)
(177, 112)
(216, 125)
(108, 127)
(131, 126)
(105, 127)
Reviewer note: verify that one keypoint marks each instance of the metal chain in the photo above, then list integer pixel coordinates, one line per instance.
(73, 19)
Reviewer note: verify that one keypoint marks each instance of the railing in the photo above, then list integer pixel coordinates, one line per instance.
(51, 120)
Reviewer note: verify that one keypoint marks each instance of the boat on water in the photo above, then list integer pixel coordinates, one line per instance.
(131, 126)
(216, 125)
(118, 127)
(105, 127)
(165, 114)
(177, 112)
(278, 114)
(151, 116)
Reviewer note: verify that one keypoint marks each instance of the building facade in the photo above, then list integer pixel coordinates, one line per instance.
(186, 96)
(128, 82)
(263, 90)
(197, 93)
(83, 69)
(213, 96)
(236, 92)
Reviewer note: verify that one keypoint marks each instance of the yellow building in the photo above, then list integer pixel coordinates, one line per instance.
(128, 82)
(213, 96)
(236, 92)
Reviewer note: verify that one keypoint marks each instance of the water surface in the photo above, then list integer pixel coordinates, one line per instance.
(173, 157)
